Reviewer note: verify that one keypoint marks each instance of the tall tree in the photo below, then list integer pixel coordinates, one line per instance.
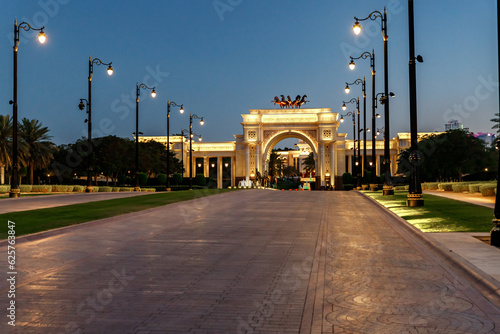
(39, 150)
(448, 155)
(5, 145)
(309, 163)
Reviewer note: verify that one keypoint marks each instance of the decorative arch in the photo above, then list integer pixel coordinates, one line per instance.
(279, 136)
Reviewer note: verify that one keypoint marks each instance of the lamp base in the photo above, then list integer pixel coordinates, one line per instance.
(89, 189)
(15, 193)
(373, 187)
(137, 188)
(387, 190)
(415, 200)
(168, 189)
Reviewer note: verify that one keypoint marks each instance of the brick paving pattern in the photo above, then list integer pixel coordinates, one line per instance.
(246, 262)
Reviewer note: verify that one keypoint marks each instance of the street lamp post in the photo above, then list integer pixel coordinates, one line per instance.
(182, 150)
(415, 197)
(387, 189)
(354, 134)
(14, 186)
(137, 133)
(495, 232)
(352, 66)
(365, 129)
(191, 116)
(356, 162)
(88, 103)
(173, 104)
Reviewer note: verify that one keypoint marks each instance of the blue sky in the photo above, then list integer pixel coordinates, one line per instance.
(221, 58)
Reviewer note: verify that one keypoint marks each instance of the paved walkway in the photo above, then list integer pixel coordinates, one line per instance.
(50, 201)
(478, 199)
(246, 262)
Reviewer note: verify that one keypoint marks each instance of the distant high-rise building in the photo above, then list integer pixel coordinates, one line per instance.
(453, 124)
(488, 138)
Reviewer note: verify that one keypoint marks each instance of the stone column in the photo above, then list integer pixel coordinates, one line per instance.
(247, 169)
(205, 166)
(333, 167)
(322, 163)
(233, 171)
(219, 172)
(257, 160)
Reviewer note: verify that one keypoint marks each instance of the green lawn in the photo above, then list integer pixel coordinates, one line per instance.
(438, 214)
(33, 221)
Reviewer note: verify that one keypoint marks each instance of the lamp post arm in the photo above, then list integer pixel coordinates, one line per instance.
(356, 82)
(26, 27)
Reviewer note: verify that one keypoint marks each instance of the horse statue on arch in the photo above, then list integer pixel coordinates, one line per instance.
(288, 102)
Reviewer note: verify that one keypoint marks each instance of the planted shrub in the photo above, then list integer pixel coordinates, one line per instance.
(487, 189)
(347, 178)
(105, 189)
(474, 188)
(79, 189)
(432, 185)
(115, 189)
(348, 186)
(177, 178)
(143, 179)
(162, 179)
(95, 189)
(41, 188)
(4, 188)
(200, 180)
(460, 187)
(25, 188)
(57, 188)
(445, 186)
(126, 189)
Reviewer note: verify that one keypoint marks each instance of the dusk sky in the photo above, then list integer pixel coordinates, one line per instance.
(221, 58)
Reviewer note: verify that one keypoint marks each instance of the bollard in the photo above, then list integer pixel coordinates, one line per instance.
(495, 233)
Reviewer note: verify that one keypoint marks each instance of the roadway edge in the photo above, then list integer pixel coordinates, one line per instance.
(483, 282)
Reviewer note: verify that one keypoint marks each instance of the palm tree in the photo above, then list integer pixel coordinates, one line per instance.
(39, 150)
(309, 163)
(5, 145)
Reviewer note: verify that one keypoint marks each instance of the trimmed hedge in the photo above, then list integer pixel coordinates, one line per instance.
(79, 189)
(445, 186)
(41, 188)
(62, 188)
(105, 189)
(432, 185)
(149, 190)
(4, 188)
(126, 189)
(474, 188)
(460, 187)
(115, 189)
(25, 188)
(487, 189)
